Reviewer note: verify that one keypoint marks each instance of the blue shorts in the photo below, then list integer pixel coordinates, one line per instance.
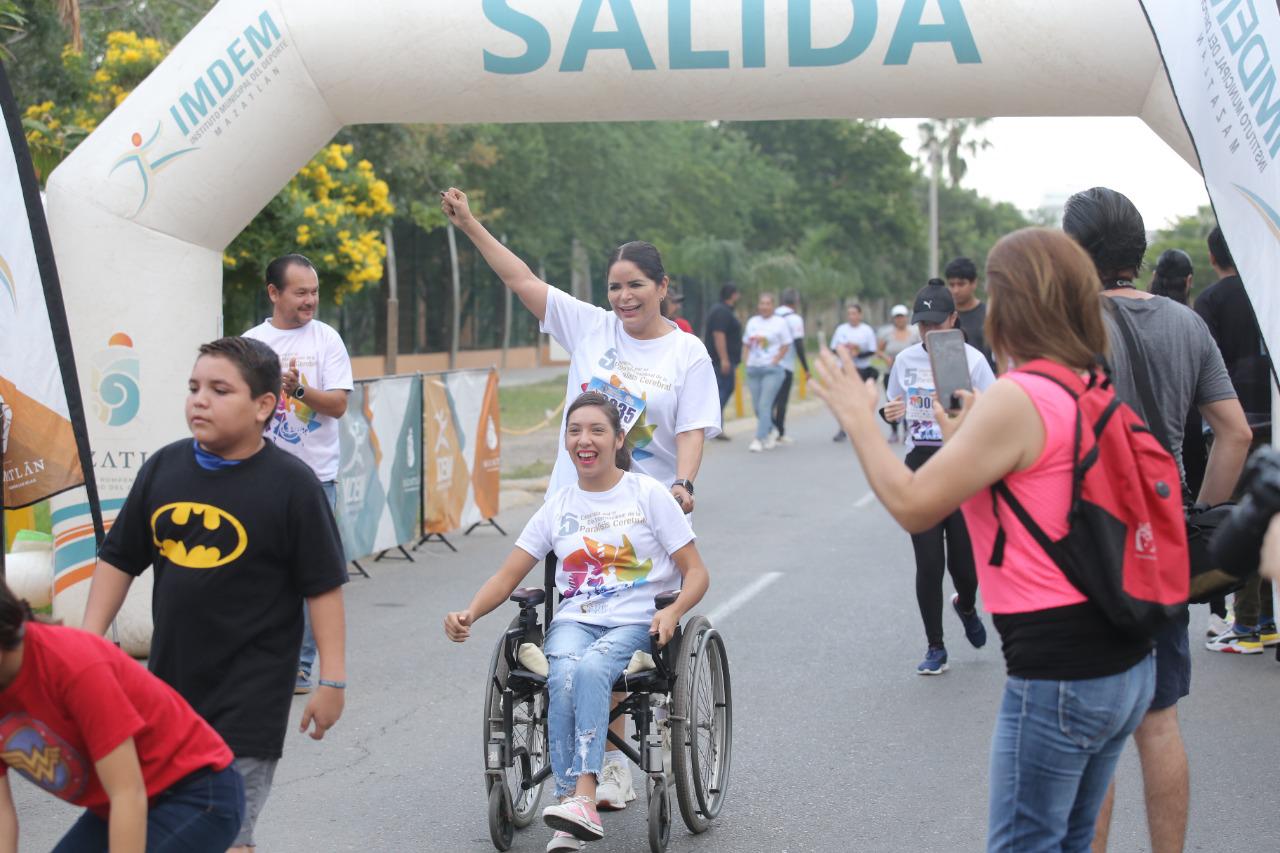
(1173, 662)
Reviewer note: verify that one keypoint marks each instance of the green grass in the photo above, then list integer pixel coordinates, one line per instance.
(530, 471)
(525, 406)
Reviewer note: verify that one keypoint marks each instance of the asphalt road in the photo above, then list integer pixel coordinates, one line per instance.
(838, 744)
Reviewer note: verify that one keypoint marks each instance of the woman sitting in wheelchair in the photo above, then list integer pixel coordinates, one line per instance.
(621, 539)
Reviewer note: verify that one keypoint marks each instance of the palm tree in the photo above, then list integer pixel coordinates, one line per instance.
(69, 14)
(944, 140)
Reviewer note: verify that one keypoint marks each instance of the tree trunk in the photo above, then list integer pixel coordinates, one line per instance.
(393, 305)
(935, 168)
(580, 272)
(457, 297)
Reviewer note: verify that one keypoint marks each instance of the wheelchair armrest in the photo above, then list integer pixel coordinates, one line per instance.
(528, 596)
(663, 600)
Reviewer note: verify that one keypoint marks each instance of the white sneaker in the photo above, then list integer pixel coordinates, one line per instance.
(615, 789)
(786, 439)
(1217, 625)
(564, 841)
(771, 442)
(755, 446)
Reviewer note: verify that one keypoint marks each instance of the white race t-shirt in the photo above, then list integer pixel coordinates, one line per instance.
(614, 549)
(763, 337)
(861, 337)
(795, 328)
(912, 380)
(672, 374)
(322, 363)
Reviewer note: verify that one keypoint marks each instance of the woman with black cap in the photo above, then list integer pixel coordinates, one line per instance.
(945, 547)
(1172, 276)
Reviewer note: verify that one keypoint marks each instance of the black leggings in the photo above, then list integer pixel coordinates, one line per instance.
(944, 547)
(780, 403)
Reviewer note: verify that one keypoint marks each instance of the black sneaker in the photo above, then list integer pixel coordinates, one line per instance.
(840, 436)
(974, 630)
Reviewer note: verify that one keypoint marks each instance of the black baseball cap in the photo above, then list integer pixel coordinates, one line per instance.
(933, 303)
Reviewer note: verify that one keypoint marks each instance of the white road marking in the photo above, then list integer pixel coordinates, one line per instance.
(746, 594)
(865, 501)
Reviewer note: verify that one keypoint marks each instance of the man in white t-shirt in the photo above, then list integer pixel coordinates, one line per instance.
(787, 311)
(315, 384)
(860, 340)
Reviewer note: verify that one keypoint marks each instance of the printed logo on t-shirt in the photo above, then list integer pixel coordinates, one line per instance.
(294, 419)
(601, 570)
(30, 747)
(196, 535)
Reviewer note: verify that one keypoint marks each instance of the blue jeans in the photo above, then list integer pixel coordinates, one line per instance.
(201, 815)
(585, 662)
(764, 383)
(1054, 751)
(307, 657)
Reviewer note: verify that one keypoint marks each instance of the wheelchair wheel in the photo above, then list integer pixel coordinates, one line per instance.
(528, 738)
(702, 724)
(659, 817)
(501, 829)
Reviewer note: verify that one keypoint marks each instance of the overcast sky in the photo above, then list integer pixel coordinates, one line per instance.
(1034, 158)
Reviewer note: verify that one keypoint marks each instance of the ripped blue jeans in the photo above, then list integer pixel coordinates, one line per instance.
(585, 662)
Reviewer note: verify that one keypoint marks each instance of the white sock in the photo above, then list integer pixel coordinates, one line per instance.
(615, 756)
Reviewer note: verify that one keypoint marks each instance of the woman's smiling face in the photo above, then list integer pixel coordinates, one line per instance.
(591, 441)
(634, 297)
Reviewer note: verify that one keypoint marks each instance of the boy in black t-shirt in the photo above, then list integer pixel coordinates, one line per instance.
(238, 533)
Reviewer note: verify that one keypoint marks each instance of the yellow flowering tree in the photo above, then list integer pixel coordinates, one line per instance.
(102, 83)
(332, 211)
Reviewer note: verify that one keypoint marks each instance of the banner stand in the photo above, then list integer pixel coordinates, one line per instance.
(382, 555)
(488, 521)
(434, 537)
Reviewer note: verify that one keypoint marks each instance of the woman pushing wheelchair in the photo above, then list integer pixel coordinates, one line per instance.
(621, 539)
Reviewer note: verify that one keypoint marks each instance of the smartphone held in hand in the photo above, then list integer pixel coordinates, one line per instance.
(950, 365)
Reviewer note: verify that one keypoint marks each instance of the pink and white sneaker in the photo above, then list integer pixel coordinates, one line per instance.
(562, 842)
(576, 816)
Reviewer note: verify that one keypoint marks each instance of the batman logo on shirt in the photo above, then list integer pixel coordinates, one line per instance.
(196, 535)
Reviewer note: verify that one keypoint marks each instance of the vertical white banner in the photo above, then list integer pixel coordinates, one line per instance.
(1218, 56)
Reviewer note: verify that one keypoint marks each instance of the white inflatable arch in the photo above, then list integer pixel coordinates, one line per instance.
(142, 210)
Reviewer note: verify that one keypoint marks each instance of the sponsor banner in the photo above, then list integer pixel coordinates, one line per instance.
(462, 448)
(40, 455)
(1218, 57)
(380, 472)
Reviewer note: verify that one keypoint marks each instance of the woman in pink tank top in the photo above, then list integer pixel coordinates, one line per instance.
(1077, 686)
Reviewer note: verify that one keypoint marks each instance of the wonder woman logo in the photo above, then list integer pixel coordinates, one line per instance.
(31, 748)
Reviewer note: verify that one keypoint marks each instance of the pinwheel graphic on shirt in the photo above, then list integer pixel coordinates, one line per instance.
(601, 568)
(641, 433)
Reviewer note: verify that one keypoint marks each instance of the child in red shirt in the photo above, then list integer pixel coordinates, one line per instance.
(84, 721)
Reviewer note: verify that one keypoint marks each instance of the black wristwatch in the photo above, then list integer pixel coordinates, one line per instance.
(299, 391)
(687, 484)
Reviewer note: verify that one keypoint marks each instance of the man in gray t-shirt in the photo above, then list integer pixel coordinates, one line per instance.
(1184, 363)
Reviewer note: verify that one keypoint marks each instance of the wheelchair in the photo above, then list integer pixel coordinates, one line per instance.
(679, 701)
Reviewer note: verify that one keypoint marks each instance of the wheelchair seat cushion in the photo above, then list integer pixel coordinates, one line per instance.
(532, 658)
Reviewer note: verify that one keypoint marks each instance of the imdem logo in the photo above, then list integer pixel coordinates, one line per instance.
(146, 163)
(115, 378)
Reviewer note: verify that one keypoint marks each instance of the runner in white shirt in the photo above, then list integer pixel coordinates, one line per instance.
(768, 340)
(944, 548)
(662, 381)
(795, 324)
(860, 340)
(621, 540)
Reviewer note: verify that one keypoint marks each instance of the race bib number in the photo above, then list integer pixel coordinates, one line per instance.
(629, 406)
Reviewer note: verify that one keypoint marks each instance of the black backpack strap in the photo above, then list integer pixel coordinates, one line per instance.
(1001, 490)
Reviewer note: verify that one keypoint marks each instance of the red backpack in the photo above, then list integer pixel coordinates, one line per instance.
(1126, 542)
